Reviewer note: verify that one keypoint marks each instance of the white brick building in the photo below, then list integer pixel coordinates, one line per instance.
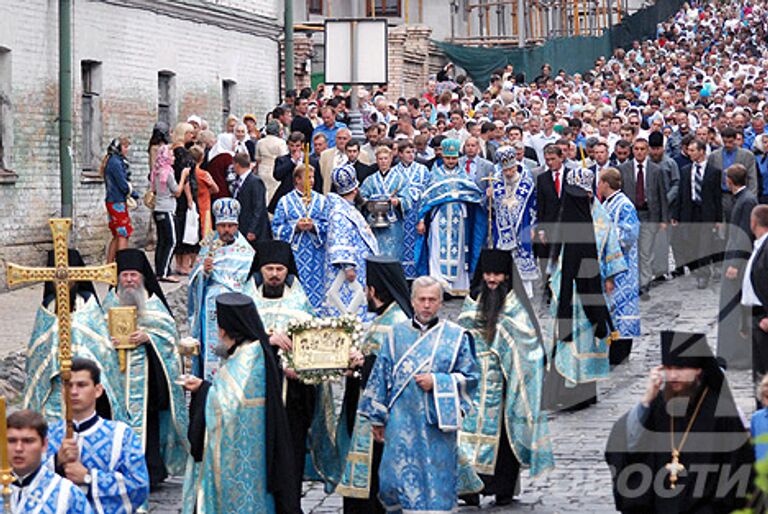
(209, 57)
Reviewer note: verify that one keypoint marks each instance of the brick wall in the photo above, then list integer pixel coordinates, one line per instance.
(132, 44)
(412, 59)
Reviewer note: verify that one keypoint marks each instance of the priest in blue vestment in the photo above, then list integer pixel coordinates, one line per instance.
(303, 224)
(418, 176)
(507, 429)
(589, 255)
(242, 458)
(105, 457)
(389, 299)
(280, 300)
(624, 291)
(514, 214)
(451, 223)
(36, 488)
(419, 389)
(222, 266)
(350, 241)
(388, 184)
(155, 404)
(90, 339)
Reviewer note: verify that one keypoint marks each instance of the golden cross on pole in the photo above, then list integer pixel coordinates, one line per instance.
(61, 275)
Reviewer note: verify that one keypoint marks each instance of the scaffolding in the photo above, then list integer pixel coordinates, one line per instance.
(500, 22)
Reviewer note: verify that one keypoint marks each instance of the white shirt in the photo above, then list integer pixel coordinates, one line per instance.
(748, 296)
(540, 140)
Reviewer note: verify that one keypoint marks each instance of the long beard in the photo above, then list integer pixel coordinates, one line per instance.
(490, 304)
(135, 297)
(677, 401)
(221, 350)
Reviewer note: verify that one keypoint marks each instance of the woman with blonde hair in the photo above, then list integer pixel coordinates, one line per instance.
(182, 139)
(115, 171)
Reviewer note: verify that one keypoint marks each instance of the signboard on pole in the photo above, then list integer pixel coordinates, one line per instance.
(356, 51)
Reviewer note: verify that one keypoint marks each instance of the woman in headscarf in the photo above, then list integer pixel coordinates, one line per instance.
(220, 162)
(117, 179)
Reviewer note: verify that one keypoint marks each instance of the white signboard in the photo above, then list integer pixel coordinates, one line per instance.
(356, 51)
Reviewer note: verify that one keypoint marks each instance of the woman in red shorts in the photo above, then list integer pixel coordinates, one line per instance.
(114, 169)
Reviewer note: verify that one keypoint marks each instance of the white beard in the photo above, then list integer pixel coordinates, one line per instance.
(133, 297)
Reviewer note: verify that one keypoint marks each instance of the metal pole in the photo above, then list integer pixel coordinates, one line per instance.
(521, 23)
(610, 13)
(288, 22)
(65, 105)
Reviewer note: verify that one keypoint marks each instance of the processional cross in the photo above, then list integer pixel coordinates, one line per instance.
(62, 275)
(489, 192)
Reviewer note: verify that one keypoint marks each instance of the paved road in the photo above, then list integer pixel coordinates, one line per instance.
(581, 481)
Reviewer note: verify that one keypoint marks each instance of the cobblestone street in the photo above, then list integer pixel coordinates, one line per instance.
(581, 480)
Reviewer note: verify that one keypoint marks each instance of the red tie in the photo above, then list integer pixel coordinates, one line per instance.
(640, 187)
(557, 182)
(469, 161)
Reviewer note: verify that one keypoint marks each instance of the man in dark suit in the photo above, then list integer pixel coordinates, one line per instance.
(284, 166)
(642, 182)
(249, 190)
(353, 157)
(697, 212)
(300, 121)
(549, 187)
(732, 341)
(754, 295)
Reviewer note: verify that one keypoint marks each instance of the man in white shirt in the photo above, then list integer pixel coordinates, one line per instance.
(754, 293)
(547, 136)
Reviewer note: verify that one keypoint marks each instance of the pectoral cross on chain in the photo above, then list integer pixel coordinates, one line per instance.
(674, 468)
(61, 275)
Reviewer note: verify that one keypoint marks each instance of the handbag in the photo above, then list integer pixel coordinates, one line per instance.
(150, 199)
(191, 227)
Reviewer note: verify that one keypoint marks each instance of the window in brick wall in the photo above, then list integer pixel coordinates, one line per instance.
(166, 97)
(91, 137)
(6, 118)
(315, 6)
(390, 8)
(228, 100)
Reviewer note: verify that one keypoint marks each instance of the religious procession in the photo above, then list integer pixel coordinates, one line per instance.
(392, 303)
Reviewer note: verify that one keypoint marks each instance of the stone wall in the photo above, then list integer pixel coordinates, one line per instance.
(132, 40)
(302, 52)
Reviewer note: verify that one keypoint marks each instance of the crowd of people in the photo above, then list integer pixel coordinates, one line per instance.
(573, 193)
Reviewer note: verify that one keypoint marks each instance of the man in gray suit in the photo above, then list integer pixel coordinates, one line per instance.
(642, 182)
(670, 175)
(474, 165)
(524, 161)
(730, 154)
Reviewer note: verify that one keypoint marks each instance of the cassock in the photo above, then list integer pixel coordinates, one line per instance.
(350, 241)
(582, 329)
(380, 186)
(90, 340)
(155, 404)
(231, 268)
(45, 492)
(361, 455)
(514, 205)
(241, 460)
(451, 207)
(507, 428)
(418, 176)
(114, 458)
(716, 454)
(309, 407)
(625, 299)
(419, 465)
(308, 246)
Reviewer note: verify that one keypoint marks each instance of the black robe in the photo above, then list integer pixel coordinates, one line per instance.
(717, 437)
(281, 482)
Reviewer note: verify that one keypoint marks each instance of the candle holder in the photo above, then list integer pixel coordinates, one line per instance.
(188, 348)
